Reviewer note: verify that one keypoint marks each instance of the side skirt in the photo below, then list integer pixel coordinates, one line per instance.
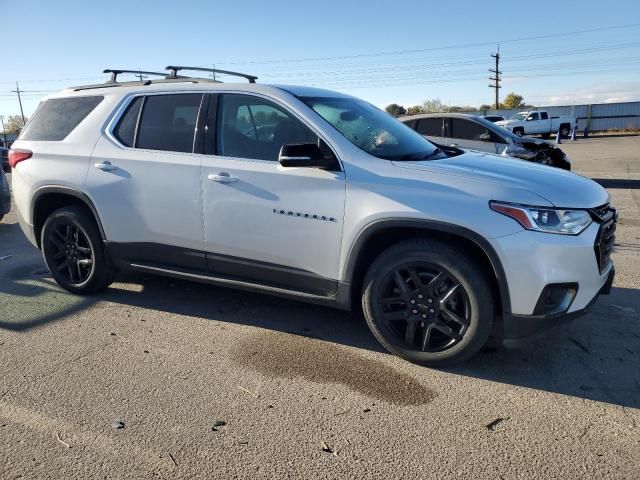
(341, 298)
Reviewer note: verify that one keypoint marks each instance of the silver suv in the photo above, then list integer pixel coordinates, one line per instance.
(312, 195)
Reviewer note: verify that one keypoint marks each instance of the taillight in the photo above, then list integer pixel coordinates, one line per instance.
(16, 156)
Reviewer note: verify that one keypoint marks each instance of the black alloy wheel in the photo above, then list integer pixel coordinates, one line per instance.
(74, 251)
(429, 301)
(70, 253)
(424, 306)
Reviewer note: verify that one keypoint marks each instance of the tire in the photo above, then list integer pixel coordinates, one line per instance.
(518, 131)
(565, 130)
(74, 252)
(413, 265)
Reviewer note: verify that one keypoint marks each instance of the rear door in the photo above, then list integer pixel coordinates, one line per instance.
(144, 180)
(265, 223)
(432, 128)
(466, 133)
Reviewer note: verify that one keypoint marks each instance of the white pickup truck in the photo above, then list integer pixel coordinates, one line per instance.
(538, 122)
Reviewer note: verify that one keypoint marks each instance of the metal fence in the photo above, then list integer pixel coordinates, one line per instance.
(597, 116)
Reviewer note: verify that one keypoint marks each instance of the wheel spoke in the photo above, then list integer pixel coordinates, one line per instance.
(434, 282)
(400, 282)
(61, 237)
(426, 337)
(85, 261)
(391, 300)
(416, 278)
(394, 316)
(84, 250)
(67, 236)
(57, 243)
(410, 334)
(454, 317)
(61, 266)
(448, 294)
(70, 270)
(446, 330)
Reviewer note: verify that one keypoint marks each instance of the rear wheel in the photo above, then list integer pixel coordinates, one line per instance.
(74, 252)
(428, 302)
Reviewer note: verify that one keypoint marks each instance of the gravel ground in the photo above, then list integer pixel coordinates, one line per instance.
(206, 382)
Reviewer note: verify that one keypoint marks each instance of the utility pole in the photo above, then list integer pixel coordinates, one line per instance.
(496, 79)
(17, 90)
(140, 76)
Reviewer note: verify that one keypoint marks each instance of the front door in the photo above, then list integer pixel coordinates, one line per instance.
(145, 182)
(265, 223)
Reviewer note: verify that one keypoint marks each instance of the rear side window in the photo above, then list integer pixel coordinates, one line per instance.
(468, 130)
(168, 122)
(57, 117)
(430, 126)
(544, 116)
(126, 129)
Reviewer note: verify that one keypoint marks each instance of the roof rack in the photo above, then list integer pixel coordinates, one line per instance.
(175, 69)
(115, 72)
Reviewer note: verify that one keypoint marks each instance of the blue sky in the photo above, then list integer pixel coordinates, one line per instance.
(342, 45)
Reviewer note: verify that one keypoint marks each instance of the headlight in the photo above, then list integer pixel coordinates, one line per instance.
(518, 151)
(549, 220)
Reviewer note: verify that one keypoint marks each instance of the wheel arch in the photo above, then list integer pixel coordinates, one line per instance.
(379, 235)
(49, 198)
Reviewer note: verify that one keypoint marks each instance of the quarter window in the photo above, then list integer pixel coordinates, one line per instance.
(57, 117)
(168, 122)
(250, 127)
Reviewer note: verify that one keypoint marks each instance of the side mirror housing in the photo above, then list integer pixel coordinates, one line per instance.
(310, 155)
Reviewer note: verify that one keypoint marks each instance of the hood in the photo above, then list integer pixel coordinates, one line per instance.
(559, 187)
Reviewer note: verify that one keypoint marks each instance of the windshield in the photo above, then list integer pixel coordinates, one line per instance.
(371, 129)
(520, 116)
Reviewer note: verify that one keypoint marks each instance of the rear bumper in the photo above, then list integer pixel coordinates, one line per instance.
(27, 229)
(522, 326)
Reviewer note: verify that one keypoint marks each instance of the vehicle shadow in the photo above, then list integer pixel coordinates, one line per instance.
(618, 183)
(597, 357)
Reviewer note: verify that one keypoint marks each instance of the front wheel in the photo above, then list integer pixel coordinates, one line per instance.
(428, 302)
(565, 131)
(518, 131)
(74, 252)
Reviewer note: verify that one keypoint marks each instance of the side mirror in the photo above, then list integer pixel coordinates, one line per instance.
(307, 155)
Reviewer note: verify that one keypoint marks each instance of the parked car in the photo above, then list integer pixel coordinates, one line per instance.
(5, 195)
(4, 159)
(477, 133)
(342, 205)
(538, 122)
(493, 118)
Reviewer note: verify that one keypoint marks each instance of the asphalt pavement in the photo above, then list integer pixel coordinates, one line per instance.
(159, 378)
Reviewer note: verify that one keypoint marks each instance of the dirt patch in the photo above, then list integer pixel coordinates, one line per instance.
(291, 356)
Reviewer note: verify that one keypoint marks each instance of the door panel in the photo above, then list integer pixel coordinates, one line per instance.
(152, 197)
(287, 219)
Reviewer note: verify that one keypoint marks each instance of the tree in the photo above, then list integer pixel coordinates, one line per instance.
(484, 107)
(433, 106)
(395, 110)
(416, 109)
(513, 100)
(13, 124)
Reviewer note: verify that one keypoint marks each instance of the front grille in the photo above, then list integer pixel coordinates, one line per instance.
(606, 217)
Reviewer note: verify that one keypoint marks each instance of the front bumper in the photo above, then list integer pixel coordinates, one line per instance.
(533, 261)
(522, 326)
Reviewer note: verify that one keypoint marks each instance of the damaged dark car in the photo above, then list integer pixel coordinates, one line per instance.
(476, 133)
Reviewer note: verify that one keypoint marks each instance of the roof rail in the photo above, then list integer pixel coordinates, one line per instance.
(175, 69)
(115, 72)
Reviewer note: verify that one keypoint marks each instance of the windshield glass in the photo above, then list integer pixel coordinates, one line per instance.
(520, 116)
(371, 129)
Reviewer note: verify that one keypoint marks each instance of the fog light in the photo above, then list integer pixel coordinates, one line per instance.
(556, 298)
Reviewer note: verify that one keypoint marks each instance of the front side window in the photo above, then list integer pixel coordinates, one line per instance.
(251, 127)
(533, 116)
(56, 118)
(168, 122)
(468, 130)
(371, 129)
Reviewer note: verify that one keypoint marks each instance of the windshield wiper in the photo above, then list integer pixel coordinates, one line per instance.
(415, 157)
